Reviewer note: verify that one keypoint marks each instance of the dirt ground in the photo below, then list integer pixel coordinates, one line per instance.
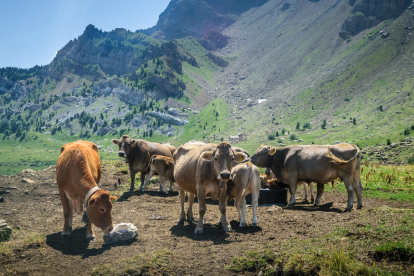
(36, 209)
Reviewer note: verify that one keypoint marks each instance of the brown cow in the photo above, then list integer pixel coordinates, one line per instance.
(203, 170)
(138, 153)
(164, 166)
(78, 171)
(320, 164)
(245, 180)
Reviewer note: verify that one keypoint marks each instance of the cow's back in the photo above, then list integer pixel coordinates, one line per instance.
(185, 164)
(78, 164)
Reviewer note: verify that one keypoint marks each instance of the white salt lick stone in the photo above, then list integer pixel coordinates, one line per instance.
(121, 232)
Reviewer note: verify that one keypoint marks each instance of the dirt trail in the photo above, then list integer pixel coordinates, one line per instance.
(35, 208)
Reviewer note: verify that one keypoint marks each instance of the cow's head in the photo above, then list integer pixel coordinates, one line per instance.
(99, 210)
(261, 157)
(223, 157)
(125, 144)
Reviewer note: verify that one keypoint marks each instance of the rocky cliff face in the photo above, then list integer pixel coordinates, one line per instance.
(368, 13)
(14, 89)
(116, 52)
(199, 18)
(115, 87)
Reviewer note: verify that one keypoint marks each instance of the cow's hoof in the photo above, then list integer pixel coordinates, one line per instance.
(227, 229)
(198, 232)
(166, 193)
(359, 207)
(312, 200)
(131, 189)
(90, 239)
(242, 224)
(348, 210)
(254, 224)
(315, 205)
(219, 223)
(290, 205)
(65, 235)
(190, 220)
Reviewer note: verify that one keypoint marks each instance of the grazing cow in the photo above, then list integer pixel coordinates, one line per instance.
(164, 166)
(320, 164)
(203, 170)
(138, 153)
(78, 171)
(245, 180)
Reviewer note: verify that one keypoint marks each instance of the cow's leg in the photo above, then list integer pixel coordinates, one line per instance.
(319, 191)
(201, 209)
(132, 174)
(190, 216)
(255, 202)
(143, 174)
(240, 205)
(311, 192)
(358, 191)
(292, 190)
(181, 195)
(223, 207)
(305, 189)
(350, 189)
(67, 214)
(147, 180)
(358, 187)
(171, 184)
(89, 232)
(162, 183)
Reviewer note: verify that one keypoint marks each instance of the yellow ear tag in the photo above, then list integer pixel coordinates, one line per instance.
(272, 151)
(240, 159)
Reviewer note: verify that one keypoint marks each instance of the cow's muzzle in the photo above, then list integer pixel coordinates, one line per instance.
(225, 175)
(121, 154)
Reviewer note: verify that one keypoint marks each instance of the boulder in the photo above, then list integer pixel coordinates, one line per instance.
(32, 107)
(167, 118)
(26, 180)
(104, 130)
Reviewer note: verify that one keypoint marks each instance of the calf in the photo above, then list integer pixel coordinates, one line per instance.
(164, 166)
(78, 172)
(245, 180)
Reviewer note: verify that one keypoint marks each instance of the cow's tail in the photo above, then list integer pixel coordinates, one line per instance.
(338, 160)
(149, 164)
(250, 178)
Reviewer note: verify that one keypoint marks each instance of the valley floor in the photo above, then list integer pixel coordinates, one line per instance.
(280, 242)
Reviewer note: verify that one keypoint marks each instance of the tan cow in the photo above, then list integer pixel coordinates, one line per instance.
(320, 164)
(78, 171)
(164, 166)
(138, 153)
(203, 170)
(245, 180)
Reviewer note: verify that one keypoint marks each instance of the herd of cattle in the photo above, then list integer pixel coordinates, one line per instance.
(218, 171)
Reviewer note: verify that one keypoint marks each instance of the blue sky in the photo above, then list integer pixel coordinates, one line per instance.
(31, 32)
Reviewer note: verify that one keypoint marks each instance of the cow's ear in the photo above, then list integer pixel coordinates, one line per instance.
(91, 202)
(133, 141)
(207, 155)
(272, 151)
(115, 141)
(62, 149)
(113, 198)
(240, 156)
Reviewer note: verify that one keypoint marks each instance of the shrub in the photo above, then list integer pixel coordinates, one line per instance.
(388, 142)
(271, 137)
(410, 160)
(292, 137)
(407, 131)
(323, 124)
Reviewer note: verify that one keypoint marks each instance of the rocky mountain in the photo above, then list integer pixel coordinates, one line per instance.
(367, 14)
(310, 71)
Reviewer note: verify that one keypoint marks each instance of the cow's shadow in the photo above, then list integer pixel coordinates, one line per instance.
(235, 225)
(307, 207)
(126, 195)
(76, 244)
(211, 232)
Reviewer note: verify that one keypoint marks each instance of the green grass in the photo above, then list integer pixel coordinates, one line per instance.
(386, 182)
(343, 251)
